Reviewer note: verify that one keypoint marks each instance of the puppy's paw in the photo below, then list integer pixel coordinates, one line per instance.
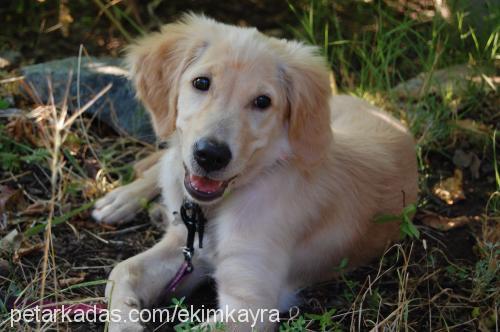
(126, 315)
(126, 327)
(117, 207)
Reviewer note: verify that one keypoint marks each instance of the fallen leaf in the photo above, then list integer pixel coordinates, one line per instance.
(450, 190)
(444, 223)
(22, 127)
(35, 209)
(10, 199)
(66, 282)
(21, 252)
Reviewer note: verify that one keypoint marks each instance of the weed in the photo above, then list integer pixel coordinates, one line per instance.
(406, 227)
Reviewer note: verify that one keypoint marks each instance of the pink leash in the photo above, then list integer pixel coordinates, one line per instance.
(176, 280)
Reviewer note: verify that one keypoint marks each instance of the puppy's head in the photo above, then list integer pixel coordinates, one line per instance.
(239, 101)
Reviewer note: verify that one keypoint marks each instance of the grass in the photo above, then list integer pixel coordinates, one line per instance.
(430, 290)
(56, 165)
(45, 156)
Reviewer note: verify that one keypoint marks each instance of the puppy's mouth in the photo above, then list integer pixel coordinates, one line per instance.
(203, 188)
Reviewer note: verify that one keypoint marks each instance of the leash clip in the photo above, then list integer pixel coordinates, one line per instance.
(188, 256)
(193, 218)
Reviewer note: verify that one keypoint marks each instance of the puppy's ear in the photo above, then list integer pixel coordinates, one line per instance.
(308, 91)
(156, 63)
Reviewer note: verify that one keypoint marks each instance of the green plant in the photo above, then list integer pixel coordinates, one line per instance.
(493, 204)
(4, 103)
(407, 227)
(485, 278)
(324, 320)
(295, 325)
(13, 153)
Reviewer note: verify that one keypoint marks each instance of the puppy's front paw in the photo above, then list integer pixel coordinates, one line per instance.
(126, 316)
(117, 207)
(125, 327)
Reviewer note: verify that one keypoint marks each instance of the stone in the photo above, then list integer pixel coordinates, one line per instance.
(9, 59)
(455, 79)
(118, 108)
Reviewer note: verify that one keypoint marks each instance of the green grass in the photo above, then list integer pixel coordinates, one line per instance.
(391, 47)
(370, 61)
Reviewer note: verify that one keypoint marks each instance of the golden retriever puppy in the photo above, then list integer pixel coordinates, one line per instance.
(289, 177)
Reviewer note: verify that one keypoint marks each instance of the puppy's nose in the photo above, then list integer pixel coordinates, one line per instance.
(211, 155)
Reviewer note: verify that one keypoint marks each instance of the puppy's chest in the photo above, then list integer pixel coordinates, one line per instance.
(209, 252)
(216, 239)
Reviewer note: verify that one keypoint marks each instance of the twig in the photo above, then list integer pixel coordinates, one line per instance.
(125, 230)
(12, 79)
(14, 177)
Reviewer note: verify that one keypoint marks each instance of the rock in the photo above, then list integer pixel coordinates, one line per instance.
(9, 59)
(118, 107)
(455, 79)
(8, 112)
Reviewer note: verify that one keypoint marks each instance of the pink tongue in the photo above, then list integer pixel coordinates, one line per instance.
(204, 184)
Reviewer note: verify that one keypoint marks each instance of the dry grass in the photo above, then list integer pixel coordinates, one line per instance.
(51, 174)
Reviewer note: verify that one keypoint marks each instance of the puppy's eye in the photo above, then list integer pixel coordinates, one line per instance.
(201, 83)
(262, 102)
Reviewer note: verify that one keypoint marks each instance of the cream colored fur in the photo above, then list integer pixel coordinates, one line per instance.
(311, 172)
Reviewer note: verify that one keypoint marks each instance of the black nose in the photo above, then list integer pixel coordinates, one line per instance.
(211, 155)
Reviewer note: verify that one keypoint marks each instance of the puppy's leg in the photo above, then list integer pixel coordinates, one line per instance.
(122, 204)
(138, 282)
(252, 281)
(143, 165)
